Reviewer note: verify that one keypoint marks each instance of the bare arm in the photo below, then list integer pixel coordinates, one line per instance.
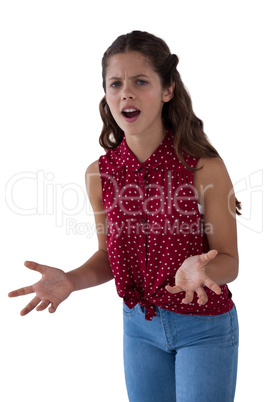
(215, 193)
(220, 265)
(56, 285)
(96, 270)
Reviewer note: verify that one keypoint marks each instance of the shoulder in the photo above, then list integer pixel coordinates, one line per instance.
(93, 168)
(209, 163)
(212, 178)
(211, 169)
(93, 183)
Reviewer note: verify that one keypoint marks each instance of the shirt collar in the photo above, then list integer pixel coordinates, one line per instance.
(160, 155)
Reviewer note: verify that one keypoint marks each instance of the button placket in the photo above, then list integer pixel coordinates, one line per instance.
(142, 184)
(143, 217)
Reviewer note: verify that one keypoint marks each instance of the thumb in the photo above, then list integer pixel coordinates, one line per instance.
(207, 257)
(35, 266)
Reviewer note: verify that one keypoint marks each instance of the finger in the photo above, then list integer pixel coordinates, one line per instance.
(43, 305)
(202, 296)
(174, 289)
(35, 266)
(188, 297)
(30, 306)
(53, 308)
(209, 283)
(21, 292)
(207, 257)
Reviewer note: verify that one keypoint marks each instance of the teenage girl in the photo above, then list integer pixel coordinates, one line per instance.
(165, 215)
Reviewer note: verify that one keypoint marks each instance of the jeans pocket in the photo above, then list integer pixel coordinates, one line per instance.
(129, 312)
(221, 329)
(212, 318)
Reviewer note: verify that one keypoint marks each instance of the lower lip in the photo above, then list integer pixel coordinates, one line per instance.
(130, 119)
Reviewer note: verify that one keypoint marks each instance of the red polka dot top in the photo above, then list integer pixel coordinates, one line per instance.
(154, 224)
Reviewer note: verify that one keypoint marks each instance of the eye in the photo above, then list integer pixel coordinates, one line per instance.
(141, 82)
(116, 84)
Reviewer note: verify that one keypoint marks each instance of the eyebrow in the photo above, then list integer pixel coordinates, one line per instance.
(133, 77)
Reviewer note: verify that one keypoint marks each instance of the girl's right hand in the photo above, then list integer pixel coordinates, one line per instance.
(52, 289)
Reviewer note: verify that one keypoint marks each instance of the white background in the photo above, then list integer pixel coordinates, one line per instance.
(50, 90)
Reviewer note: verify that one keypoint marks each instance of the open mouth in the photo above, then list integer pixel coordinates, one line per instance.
(131, 114)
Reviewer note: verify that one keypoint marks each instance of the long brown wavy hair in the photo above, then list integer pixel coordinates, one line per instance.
(177, 114)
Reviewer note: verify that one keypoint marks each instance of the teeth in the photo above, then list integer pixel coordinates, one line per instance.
(129, 110)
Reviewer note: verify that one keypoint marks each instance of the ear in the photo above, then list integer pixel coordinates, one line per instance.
(168, 93)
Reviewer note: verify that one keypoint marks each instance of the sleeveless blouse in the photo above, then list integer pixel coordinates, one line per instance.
(154, 224)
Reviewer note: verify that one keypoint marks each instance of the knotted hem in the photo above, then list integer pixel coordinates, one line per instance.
(133, 297)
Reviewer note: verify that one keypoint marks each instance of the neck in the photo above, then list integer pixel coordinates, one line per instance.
(143, 146)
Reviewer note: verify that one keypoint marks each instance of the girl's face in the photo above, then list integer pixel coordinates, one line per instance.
(134, 94)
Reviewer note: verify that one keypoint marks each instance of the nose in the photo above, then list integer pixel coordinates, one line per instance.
(127, 93)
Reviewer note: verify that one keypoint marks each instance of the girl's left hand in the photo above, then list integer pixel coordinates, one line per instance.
(191, 277)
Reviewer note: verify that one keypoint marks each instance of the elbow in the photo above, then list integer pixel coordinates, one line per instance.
(230, 267)
(235, 274)
(235, 268)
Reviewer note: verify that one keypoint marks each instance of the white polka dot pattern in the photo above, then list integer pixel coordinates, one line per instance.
(154, 224)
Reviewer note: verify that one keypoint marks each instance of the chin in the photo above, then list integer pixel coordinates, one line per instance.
(132, 132)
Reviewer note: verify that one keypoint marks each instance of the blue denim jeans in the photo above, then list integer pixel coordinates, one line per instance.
(183, 358)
